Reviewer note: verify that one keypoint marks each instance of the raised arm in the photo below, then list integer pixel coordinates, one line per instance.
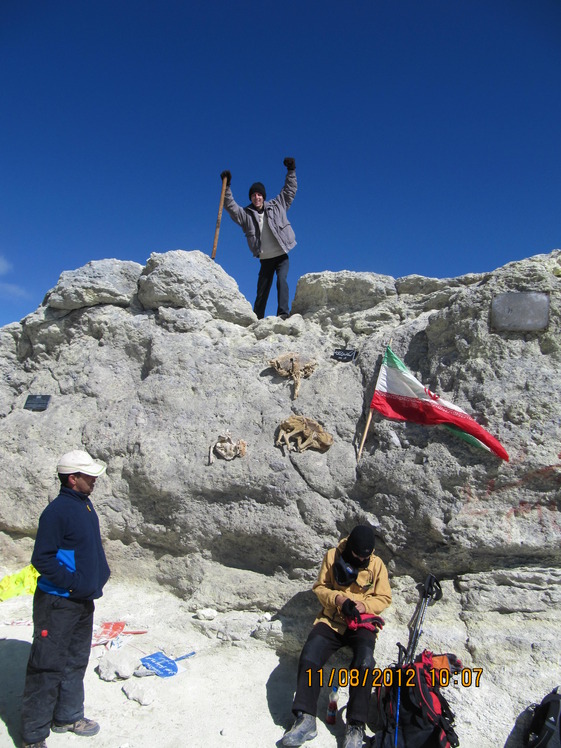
(235, 211)
(286, 195)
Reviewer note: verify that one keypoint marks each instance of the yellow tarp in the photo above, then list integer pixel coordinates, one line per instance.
(22, 582)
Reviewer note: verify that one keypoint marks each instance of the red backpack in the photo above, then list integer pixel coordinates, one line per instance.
(411, 695)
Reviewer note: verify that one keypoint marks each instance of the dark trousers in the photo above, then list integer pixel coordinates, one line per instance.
(54, 682)
(321, 643)
(278, 265)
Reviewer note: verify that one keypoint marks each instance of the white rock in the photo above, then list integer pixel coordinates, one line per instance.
(140, 692)
(117, 664)
(206, 614)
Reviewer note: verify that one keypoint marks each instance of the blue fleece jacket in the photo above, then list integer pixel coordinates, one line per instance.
(68, 552)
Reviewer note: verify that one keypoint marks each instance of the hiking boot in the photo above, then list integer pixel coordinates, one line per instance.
(84, 726)
(303, 729)
(40, 744)
(354, 735)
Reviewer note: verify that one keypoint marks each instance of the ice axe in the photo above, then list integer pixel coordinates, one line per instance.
(219, 219)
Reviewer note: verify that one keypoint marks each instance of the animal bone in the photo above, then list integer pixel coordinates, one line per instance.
(295, 366)
(226, 448)
(305, 432)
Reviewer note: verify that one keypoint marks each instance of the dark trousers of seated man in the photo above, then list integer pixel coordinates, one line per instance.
(278, 265)
(320, 645)
(54, 682)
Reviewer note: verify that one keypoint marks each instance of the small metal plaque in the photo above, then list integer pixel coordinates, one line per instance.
(37, 402)
(524, 311)
(345, 354)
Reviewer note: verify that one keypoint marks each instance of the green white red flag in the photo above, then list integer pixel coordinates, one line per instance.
(400, 396)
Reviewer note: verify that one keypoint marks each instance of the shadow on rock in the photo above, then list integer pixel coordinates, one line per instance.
(297, 618)
(520, 729)
(13, 661)
(280, 691)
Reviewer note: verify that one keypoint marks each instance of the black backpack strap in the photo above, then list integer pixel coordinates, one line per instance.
(545, 729)
(447, 721)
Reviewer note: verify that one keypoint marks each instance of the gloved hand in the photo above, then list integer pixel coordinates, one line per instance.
(228, 176)
(367, 621)
(290, 163)
(376, 621)
(350, 611)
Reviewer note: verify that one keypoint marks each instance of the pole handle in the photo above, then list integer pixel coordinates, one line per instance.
(432, 588)
(219, 219)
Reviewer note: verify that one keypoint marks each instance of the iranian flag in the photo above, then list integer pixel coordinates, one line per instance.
(400, 396)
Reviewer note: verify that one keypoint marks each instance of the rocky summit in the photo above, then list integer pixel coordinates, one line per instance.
(164, 372)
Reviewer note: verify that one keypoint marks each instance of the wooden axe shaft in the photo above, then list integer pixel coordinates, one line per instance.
(219, 219)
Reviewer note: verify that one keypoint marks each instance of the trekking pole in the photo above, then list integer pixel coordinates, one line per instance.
(400, 657)
(219, 219)
(397, 716)
(432, 591)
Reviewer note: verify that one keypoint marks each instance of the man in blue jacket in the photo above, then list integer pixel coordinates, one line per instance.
(69, 557)
(269, 235)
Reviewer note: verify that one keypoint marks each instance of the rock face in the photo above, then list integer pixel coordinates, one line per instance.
(146, 367)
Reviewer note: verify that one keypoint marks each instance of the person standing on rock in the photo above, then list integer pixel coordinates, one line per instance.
(269, 235)
(69, 557)
(353, 589)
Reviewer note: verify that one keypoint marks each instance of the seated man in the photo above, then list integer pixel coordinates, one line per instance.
(353, 589)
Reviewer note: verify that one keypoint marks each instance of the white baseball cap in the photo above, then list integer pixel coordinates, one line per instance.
(79, 461)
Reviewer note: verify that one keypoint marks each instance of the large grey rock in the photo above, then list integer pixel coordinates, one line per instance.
(148, 372)
(192, 280)
(98, 282)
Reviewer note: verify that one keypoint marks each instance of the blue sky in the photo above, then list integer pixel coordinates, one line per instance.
(426, 133)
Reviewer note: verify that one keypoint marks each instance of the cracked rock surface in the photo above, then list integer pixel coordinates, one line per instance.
(147, 366)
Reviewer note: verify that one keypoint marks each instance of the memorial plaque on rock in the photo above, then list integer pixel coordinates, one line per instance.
(37, 402)
(345, 354)
(524, 311)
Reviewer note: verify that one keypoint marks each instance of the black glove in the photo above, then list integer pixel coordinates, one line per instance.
(350, 610)
(290, 163)
(227, 175)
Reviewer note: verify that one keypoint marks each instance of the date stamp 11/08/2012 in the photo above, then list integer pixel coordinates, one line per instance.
(399, 676)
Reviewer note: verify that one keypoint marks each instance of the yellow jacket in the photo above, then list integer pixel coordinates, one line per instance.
(371, 588)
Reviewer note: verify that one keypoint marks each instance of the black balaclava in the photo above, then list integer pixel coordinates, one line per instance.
(258, 187)
(361, 543)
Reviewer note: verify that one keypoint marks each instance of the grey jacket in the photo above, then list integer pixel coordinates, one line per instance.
(275, 211)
